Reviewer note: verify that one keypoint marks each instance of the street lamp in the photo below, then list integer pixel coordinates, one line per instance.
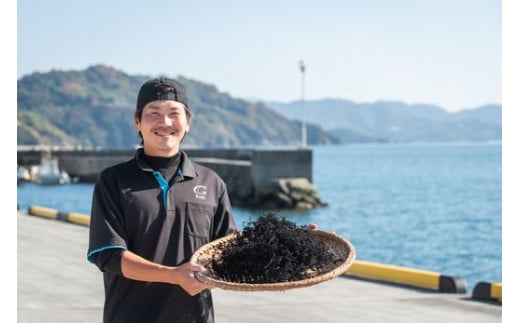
(304, 127)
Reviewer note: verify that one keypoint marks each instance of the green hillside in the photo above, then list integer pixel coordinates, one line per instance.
(94, 108)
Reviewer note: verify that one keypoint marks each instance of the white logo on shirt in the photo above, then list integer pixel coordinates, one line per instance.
(200, 192)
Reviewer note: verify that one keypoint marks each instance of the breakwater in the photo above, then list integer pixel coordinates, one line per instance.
(256, 178)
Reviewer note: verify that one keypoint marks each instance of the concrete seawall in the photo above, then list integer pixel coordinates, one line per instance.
(267, 178)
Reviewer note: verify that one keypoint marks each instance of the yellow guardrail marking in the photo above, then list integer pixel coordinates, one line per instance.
(396, 274)
(44, 211)
(49, 213)
(79, 218)
(496, 291)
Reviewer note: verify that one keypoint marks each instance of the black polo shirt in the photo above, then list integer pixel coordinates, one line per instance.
(134, 208)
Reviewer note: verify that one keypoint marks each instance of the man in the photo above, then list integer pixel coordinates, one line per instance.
(151, 213)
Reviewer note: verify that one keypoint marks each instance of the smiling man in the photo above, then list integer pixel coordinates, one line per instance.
(162, 117)
(151, 213)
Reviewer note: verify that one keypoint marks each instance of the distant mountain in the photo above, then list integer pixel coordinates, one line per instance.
(388, 121)
(94, 107)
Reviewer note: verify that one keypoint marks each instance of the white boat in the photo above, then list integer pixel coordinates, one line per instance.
(48, 173)
(23, 175)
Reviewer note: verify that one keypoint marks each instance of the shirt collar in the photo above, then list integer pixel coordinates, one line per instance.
(186, 165)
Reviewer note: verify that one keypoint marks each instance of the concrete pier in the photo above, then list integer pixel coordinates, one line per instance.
(261, 164)
(254, 177)
(57, 284)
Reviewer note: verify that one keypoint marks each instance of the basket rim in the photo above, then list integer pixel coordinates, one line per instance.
(337, 271)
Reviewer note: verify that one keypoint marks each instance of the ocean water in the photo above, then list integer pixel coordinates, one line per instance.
(435, 207)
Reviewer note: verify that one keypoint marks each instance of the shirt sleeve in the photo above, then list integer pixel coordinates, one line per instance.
(108, 260)
(106, 230)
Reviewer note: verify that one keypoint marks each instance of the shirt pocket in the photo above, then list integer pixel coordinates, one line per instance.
(198, 221)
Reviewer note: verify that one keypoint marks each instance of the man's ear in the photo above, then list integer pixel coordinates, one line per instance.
(136, 124)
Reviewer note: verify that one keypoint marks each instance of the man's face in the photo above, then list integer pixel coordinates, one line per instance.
(163, 125)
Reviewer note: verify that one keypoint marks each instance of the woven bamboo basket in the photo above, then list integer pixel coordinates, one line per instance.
(213, 250)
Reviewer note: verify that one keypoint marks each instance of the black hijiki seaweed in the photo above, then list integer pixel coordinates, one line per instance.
(273, 249)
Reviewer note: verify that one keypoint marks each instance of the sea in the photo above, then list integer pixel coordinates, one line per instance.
(435, 207)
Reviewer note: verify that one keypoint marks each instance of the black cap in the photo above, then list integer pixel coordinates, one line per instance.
(161, 88)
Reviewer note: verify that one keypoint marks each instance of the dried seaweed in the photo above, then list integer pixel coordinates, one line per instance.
(273, 249)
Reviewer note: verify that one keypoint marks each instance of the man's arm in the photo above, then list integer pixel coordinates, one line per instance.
(138, 268)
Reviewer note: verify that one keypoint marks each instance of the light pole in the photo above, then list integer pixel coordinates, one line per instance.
(304, 127)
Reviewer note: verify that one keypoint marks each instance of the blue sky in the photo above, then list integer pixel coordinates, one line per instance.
(443, 52)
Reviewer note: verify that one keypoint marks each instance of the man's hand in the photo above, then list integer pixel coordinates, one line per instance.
(312, 226)
(185, 277)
